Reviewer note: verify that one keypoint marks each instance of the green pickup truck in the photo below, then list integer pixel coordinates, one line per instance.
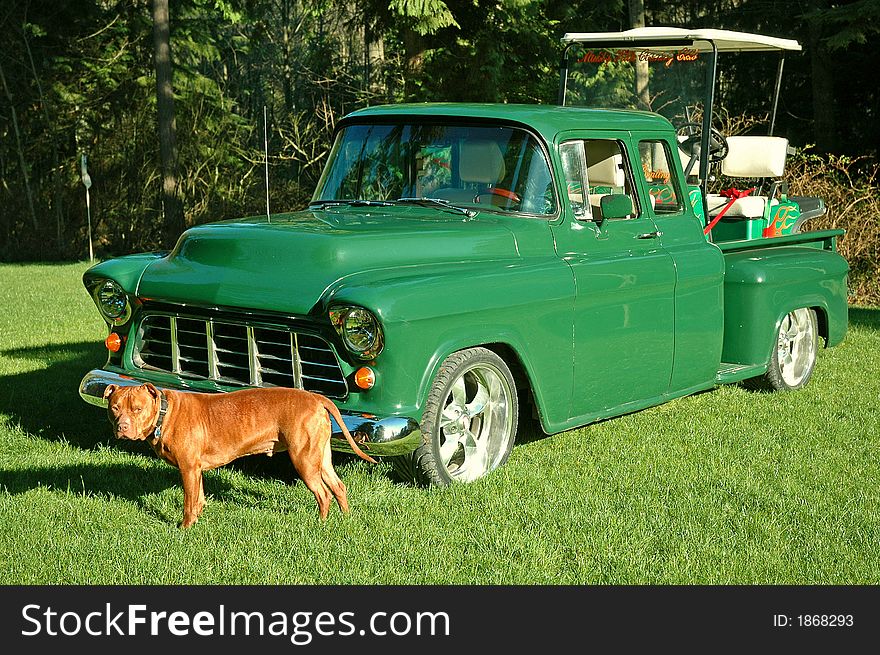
(464, 268)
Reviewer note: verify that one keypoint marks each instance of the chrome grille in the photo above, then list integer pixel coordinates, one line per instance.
(238, 353)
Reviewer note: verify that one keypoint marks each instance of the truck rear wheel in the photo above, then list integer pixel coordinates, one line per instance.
(469, 423)
(794, 354)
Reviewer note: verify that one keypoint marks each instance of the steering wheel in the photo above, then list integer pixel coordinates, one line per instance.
(502, 193)
(693, 133)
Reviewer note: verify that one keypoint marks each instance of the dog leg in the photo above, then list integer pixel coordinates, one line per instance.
(328, 474)
(322, 495)
(193, 495)
(311, 477)
(202, 500)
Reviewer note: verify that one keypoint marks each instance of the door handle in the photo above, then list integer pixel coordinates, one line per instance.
(648, 235)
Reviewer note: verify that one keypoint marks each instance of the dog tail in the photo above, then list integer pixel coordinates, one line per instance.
(334, 412)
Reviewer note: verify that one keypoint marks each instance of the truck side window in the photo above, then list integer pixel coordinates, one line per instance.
(660, 177)
(594, 168)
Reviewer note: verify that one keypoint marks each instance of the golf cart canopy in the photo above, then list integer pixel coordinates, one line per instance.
(658, 38)
(672, 49)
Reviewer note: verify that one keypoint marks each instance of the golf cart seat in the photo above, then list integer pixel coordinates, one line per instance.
(751, 157)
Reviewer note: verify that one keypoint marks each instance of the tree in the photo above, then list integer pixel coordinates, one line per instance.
(823, 87)
(637, 19)
(171, 204)
(836, 32)
(413, 20)
(20, 148)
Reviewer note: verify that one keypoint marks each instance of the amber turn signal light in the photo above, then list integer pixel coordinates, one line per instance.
(364, 377)
(113, 342)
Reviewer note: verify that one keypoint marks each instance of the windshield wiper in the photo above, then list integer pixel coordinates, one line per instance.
(433, 202)
(351, 203)
(439, 202)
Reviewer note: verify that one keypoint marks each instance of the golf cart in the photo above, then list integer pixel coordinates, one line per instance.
(674, 72)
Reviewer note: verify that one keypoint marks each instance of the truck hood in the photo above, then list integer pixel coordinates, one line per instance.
(287, 262)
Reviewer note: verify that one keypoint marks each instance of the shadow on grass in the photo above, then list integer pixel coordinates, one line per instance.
(865, 317)
(136, 483)
(46, 402)
(128, 481)
(131, 482)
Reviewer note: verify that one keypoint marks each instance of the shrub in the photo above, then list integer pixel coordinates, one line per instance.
(851, 190)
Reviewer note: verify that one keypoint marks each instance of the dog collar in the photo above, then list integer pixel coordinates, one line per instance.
(163, 410)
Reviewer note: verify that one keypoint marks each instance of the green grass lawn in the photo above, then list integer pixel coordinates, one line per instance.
(726, 487)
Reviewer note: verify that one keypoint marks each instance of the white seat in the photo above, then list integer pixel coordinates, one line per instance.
(755, 156)
(750, 157)
(748, 207)
(604, 169)
(480, 162)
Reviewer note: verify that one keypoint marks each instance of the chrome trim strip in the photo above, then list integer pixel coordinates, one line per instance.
(317, 379)
(295, 360)
(252, 357)
(213, 373)
(175, 346)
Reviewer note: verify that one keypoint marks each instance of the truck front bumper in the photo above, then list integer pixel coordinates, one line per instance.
(383, 437)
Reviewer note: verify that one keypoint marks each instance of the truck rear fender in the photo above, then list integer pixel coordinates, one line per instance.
(763, 285)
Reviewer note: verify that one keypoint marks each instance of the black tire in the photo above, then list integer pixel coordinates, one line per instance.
(479, 383)
(795, 351)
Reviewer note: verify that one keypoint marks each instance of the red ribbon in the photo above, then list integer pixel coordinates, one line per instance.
(733, 195)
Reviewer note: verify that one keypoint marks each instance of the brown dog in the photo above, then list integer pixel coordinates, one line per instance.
(200, 431)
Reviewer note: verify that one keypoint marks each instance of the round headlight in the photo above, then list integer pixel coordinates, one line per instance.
(112, 301)
(360, 330)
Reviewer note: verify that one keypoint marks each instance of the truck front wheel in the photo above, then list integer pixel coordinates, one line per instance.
(794, 352)
(469, 422)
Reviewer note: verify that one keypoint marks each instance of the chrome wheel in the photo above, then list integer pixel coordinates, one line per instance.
(476, 423)
(796, 347)
(469, 423)
(794, 353)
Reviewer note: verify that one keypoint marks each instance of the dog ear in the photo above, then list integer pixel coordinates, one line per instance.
(152, 390)
(109, 390)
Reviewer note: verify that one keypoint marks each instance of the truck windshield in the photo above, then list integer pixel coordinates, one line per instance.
(492, 168)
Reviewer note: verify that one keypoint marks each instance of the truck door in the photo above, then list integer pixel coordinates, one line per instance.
(699, 266)
(623, 310)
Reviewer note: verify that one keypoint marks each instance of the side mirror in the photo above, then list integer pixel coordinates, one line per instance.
(618, 205)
